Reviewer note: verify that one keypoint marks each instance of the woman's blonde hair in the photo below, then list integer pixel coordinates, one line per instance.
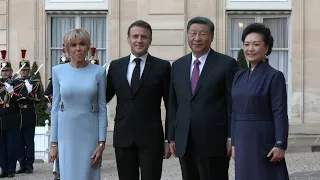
(73, 34)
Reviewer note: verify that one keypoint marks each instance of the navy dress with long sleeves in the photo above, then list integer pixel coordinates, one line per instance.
(259, 120)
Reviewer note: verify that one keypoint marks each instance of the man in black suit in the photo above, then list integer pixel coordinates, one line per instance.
(200, 106)
(139, 81)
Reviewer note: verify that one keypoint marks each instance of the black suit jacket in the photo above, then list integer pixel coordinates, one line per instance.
(205, 115)
(49, 89)
(138, 114)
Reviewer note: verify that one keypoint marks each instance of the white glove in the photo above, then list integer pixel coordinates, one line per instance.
(28, 85)
(9, 87)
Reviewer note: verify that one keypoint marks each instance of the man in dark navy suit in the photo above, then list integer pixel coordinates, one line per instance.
(200, 106)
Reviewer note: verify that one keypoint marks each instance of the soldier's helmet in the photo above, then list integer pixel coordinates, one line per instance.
(93, 59)
(23, 61)
(64, 58)
(5, 63)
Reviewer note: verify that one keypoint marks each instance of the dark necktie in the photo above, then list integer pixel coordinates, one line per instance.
(195, 75)
(135, 79)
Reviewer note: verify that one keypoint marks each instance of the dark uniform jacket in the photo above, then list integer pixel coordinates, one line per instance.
(10, 115)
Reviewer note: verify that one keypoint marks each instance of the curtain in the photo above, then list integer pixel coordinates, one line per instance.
(279, 57)
(236, 28)
(59, 27)
(96, 26)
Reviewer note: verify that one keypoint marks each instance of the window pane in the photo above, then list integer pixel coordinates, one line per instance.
(59, 27)
(237, 26)
(96, 26)
(234, 53)
(279, 60)
(279, 31)
(102, 55)
(55, 56)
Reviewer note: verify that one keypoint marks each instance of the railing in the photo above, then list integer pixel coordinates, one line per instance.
(41, 139)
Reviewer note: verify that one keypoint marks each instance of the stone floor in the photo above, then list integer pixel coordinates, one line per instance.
(302, 166)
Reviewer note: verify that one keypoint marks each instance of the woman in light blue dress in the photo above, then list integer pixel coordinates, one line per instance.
(79, 113)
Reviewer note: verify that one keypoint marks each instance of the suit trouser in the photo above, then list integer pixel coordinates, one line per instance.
(197, 167)
(26, 157)
(129, 159)
(9, 150)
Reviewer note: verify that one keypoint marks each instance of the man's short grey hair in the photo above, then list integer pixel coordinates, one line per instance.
(201, 20)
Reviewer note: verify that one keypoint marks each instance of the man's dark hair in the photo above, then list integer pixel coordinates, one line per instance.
(201, 20)
(140, 23)
(261, 29)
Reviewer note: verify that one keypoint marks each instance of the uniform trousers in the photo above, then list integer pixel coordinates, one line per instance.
(9, 150)
(26, 157)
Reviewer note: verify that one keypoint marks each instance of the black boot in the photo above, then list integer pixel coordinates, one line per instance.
(21, 170)
(3, 175)
(29, 170)
(11, 175)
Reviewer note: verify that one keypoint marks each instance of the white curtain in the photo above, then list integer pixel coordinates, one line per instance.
(236, 29)
(59, 27)
(279, 30)
(96, 26)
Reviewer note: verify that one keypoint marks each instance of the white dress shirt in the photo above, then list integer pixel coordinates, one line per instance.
(202, 60)
(132, 64)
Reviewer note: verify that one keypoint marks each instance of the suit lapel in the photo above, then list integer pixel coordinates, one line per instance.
(207, 69)
(124, 70)
(186, 73)
(145, 72)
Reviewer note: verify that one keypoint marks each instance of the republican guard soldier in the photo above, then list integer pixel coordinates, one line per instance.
(28, 115)
(10, 119)
(93, 59)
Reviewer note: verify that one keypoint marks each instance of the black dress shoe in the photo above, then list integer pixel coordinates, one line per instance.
(29, 171)
(3, 175)
(11, 175)
(21, 170)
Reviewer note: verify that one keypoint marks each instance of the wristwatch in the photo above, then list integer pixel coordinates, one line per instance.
(102, 145)
(279, 144)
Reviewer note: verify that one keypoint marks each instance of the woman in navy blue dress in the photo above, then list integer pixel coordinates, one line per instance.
(259, 112)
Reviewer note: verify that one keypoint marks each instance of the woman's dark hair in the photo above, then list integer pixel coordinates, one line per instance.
(261, 29)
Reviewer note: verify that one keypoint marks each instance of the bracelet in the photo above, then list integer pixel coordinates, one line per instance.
(54, 145)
